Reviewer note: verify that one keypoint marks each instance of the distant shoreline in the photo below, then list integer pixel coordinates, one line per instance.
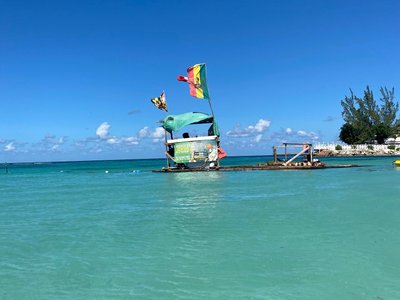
(321, 153)
(357, 152)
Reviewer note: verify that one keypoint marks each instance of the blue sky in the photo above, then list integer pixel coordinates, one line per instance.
(76, 77)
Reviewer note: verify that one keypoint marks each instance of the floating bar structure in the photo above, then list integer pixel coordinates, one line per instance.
(203, 153)
(287, 162)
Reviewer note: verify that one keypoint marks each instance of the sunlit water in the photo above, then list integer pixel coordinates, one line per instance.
(115, 230)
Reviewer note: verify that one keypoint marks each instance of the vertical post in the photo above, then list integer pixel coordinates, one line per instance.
(212, 113)
(166, 148)
(285, 152)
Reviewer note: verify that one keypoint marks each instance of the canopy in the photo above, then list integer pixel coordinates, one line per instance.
(175, 122)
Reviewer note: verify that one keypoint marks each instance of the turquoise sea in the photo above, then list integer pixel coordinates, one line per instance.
(115, 230)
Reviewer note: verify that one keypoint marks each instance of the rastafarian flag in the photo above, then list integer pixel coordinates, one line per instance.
(197, 81)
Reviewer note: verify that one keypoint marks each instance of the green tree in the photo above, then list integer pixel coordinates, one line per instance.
(389, 110)
(348, 134)
(382, 132)
(365, 120)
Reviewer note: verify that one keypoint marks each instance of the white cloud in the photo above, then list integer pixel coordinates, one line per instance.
(301, 133)
(103, 133)
(262, 125)
(105, 142)
(50, 143)
(258, 138)
(102, 130)
(112, 140)
(291, 135)
(311, 135)
(130, 141)
(144, 132)
(237, 132)
(251, 130)
(9, 147)
(157, 135)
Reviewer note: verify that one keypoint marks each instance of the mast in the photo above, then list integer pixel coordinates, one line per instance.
(209, 103)
(212, 113)
(209, 97)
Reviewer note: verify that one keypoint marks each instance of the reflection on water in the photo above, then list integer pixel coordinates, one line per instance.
(198, 192)
(193, 177)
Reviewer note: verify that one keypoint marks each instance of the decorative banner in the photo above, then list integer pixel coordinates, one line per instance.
(196, 151)
(197, 81)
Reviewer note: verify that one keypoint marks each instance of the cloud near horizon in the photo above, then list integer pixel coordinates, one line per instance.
(157, 135)
(256, 135)
(102, 141)
(290, 135)
(252, 130)
(9, 147)
(252, 133)
(51, 143)
(103, 133)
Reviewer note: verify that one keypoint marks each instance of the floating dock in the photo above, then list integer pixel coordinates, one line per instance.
(254, 168)
(282, 161)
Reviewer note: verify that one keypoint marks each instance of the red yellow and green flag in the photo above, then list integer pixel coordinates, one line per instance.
(197, 81)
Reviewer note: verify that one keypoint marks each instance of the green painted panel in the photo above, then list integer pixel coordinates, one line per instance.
(196, 151)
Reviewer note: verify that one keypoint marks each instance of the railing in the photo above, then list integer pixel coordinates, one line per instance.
(332, 146)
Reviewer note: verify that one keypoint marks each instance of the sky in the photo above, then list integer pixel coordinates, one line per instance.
(76, 77)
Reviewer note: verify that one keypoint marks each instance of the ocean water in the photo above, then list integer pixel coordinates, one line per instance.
(115, 230)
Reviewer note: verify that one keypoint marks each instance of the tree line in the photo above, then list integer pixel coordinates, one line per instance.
(366, 121)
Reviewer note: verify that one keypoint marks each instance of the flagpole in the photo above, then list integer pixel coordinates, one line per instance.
(212, 113)
(209, 97)
(209, 102)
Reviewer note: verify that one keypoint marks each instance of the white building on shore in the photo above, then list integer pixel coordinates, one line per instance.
(390, 148)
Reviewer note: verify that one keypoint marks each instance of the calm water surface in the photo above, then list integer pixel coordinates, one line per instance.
(115, 230)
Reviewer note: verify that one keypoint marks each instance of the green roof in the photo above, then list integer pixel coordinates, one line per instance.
(175, 122)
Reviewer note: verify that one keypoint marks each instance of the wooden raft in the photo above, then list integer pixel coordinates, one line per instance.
(253, 168)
